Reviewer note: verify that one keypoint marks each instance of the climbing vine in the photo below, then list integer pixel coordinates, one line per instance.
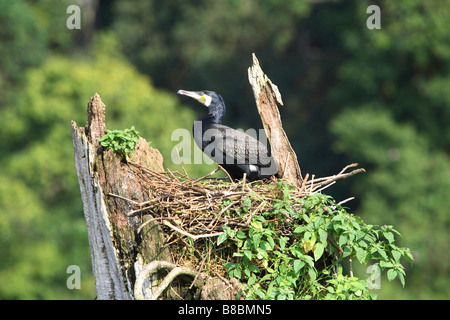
(299, 254)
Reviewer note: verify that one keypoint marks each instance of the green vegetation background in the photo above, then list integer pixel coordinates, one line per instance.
(377, 97)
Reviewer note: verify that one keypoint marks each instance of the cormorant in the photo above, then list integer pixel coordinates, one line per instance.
(235, 151)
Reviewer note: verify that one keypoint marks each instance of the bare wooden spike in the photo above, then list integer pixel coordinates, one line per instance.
(268, 98)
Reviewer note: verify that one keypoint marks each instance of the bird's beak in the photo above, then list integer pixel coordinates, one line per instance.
(202, 98)
(192, 94)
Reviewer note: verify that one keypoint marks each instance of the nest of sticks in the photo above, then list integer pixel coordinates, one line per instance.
(193, 212)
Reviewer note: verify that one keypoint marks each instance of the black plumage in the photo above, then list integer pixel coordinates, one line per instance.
(236, 151)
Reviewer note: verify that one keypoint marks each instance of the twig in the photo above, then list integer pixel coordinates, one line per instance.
(324, 187)
(152, 219)
(243, 181)
(207, 175)
(331, 240)
(133, 212)
(201, 266)
(123, 198)
(350, 266)
(221, 212)
(253, 213)
(181, 163)
(346, 200)
(302, 187)
(187, 234)
(348, 166)
(223, 169)
(312, 182)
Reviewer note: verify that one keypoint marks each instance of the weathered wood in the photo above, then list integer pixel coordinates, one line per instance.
(118, 253)
(267, 99)
(105, 263)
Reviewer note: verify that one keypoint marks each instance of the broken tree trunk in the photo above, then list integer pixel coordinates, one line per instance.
(127, 250)
(267, 99)
(117, 254)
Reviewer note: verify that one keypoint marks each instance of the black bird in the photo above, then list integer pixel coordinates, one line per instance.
(235, 151)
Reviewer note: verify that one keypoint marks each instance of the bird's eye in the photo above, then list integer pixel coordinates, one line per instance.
(202, 93)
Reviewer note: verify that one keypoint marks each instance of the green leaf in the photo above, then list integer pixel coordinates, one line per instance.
(389, 236)
(298, 265)
(409, 256)
(385, 264)
(391, 274)
(342, 240)
(360, 254)
(241, 235)
(251, 280)
(323, 235)
(401, 278)
(282, 242)
(347, 251)
(299, 229)
(382, 252)
(318, 251)
(265, 246)
(248, 254)
(271, 242)
(253, 268)
(396, 254)
(222, 238)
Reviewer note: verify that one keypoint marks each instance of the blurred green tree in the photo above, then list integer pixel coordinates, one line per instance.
(395, 123)
(22, 43)
(406, 185)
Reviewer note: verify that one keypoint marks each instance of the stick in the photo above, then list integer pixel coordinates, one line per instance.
(123, 198)
(152, 219)
(207, 175)
(201, 266)
(181, 162)
(222, 168)
(303, 183)
(192, 236)
(220, 213)
(324, 187)
(346, 200)
(253, 213)
(312, 182)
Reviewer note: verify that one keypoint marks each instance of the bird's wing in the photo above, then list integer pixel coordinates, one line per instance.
(240, 147)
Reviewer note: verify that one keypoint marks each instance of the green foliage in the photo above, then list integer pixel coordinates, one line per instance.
(121, 141)
(22, 43)
(398, 160)
(304, 265)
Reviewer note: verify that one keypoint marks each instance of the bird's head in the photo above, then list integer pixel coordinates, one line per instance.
(205, 97)
(212, 100)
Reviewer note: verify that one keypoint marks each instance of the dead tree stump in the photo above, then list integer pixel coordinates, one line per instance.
(119, 253)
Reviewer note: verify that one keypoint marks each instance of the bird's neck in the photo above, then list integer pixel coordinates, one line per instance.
(213, 117)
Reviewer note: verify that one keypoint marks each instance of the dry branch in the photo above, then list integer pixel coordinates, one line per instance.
(267, 99)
